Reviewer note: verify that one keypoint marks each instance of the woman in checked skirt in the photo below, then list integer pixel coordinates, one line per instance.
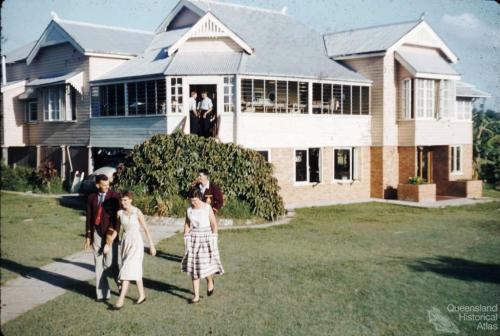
(201, 253)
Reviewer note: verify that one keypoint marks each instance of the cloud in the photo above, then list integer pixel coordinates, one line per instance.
(468, 27)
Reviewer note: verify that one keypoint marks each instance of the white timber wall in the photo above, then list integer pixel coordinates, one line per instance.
(13, 116)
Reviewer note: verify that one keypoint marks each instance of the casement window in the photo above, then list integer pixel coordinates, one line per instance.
(425, 98)
(265, 154)
(59, 103)
(176, 94)
(447, 95)
(347, 164)
(31, 111)
(274, 96)
(229, 94)
(407, 99)
(308, 165)
(456, 159)
(463, 109)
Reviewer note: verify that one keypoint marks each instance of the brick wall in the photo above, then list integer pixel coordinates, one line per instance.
(325, 192)
(407, 163)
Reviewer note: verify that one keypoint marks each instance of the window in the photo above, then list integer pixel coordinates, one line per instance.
(425, 98)
(307, 165)
(59, 103)
(407, 99)
(347, 164)
(265, 154)
(446, 98)
(176, 91)
(456, 159)
(229, 94)
(365, 100)
(464, 109)
(271, 96)
(31, 111)
(346, 99)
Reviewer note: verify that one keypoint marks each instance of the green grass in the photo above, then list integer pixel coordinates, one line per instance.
(361, 269)
(34, 231)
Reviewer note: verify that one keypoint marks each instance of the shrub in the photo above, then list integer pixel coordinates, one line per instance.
(28, 179)
(416, 180)
(165, 166)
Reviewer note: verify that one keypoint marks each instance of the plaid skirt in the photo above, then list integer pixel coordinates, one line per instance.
(201, 254)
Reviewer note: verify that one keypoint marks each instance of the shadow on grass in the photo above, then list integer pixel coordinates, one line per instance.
(55, 279)
(74, 202)
(79, 264)
(458, 268)
(168, 256)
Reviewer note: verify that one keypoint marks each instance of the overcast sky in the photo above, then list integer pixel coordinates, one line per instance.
(471, 28)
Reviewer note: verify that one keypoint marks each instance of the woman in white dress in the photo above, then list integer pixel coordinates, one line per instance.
(132, 248)
(201, 253)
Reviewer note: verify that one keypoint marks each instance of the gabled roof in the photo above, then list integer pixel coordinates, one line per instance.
(91, 38)
(373, 39)
(469, 91)
(19, 54)
(379, 39)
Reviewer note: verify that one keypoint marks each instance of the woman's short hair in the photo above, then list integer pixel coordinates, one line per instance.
(128, 194)
(195, 193)
(204, 171)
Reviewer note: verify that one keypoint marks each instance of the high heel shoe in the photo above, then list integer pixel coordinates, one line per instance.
(211, 292)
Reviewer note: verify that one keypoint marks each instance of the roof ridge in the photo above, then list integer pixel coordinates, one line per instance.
(376, 26)
(268, 10)
(96, 25)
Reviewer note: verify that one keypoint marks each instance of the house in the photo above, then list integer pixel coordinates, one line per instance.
(46, 96)
(421, 112)
(342, 116)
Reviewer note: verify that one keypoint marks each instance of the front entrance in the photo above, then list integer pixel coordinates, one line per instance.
(424, 163)
(209, 126)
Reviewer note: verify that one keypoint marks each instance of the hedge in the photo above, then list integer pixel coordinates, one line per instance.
(165, 166)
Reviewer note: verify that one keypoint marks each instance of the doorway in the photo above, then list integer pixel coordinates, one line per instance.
(211, 90)
(424, 163)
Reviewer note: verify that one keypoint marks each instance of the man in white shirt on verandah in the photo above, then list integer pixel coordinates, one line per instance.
(194, 117)
(205, 107)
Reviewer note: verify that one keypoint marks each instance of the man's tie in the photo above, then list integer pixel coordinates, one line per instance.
(98, 216)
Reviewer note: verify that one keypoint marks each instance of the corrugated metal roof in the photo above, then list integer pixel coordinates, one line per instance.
(20, 53)
(53, 80)
(106, 39)
(469, 90)
(283, 46)
(366, 40)
(423, 60)
(204, 63)
(166, 39)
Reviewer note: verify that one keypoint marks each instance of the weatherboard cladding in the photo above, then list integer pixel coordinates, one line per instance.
(366, 40)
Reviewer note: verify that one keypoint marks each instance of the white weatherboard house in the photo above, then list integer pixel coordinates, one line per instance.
(341, 116)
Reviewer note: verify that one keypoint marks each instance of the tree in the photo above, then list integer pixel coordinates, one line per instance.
(486, 145)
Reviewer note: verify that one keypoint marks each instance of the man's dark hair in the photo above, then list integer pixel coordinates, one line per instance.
(204, 172)
(101, 177)
(195, 193)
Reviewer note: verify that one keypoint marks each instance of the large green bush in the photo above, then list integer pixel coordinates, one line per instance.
(166, 165)
(28, 179)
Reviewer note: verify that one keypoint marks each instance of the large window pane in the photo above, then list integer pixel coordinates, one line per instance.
(246, 95)
(346, 99)
(316, 98)
(314, 165)
(327, 99)
(161, 97)
(270, 102)
(356, 100)
(141, 98)
(258, 95)
(293, 98)
(342, 164)
(300, 166)
(120, 99)
(365, 100)
(132, 98)
(150, 103)
(281, 97)
(103, 100)
(337, 99)
(112, 99)
(304, 97)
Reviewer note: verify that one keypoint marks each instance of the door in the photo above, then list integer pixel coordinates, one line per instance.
(424, 163)
(211, 90)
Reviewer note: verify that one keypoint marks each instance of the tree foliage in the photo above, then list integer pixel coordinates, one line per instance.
(166, 165)
(487, 145)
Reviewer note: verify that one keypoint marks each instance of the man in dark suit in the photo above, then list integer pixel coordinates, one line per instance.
(100, 227)
(211, 192)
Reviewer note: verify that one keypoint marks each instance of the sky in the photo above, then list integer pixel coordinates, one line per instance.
(471, 28)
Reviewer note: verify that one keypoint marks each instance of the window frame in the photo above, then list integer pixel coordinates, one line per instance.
(453, 160)
(353, 164)
(267, 150)
(307, 182)
(27, 111)
(66, 97)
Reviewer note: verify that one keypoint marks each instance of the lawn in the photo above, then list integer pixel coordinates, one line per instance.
(34, 231)
(361, 269)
